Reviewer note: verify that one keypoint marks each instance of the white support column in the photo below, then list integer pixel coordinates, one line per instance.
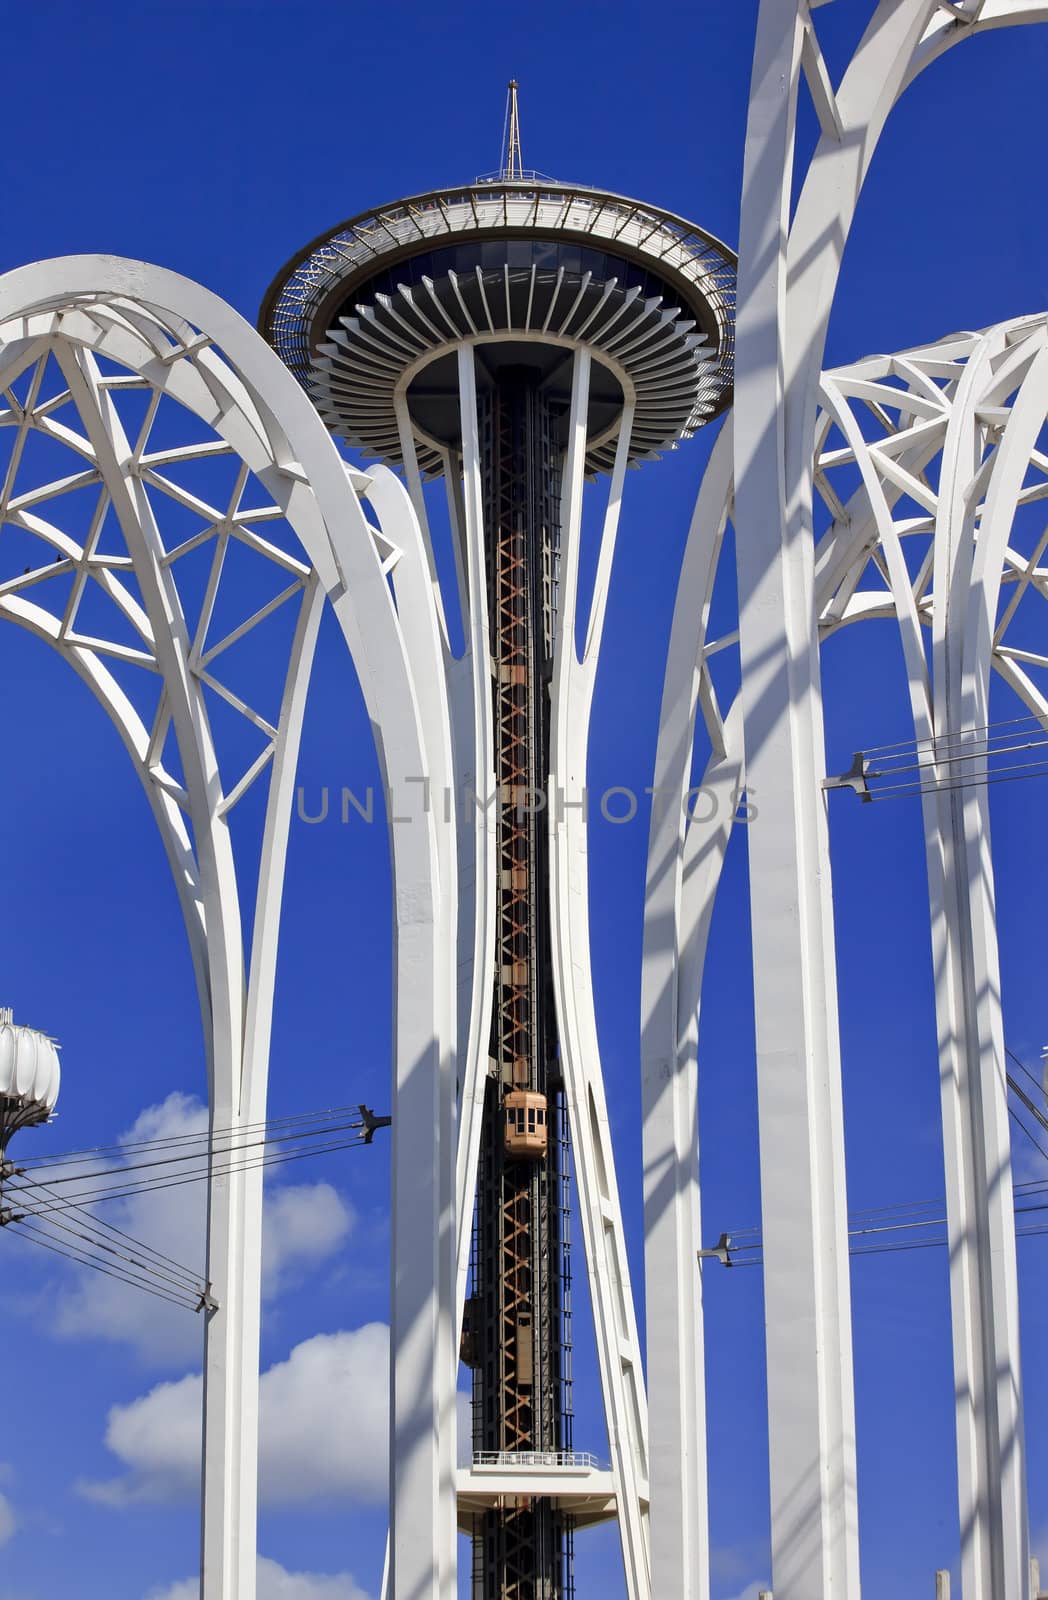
(463, 790)
(807, 1305)
(123, 310)
(968, 556)
(618, 1346)
(674, 950)
(420, 620)
(786, 289)
(976, 1141)
(979, 1205)
(422, 1481)
(418, 500)
(234, 1198)
(479, 820)
(234, 1253)
(229, 1500)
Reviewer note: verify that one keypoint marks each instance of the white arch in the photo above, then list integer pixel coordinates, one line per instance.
(787, 279)
(978, 402)
(669, 1044)
(166, 329)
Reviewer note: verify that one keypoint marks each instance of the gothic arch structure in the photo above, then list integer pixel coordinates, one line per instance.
(788, 272)
(170, 493)
(922, 467)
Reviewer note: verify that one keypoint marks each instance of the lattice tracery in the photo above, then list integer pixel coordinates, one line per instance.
(879, 445)
(70, 571)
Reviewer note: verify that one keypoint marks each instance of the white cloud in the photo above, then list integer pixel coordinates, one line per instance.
(323, 1431)
(8, 1522)
(158, 1438)
(753, 1590)
(275, 1583)
(325, 1418)
(303, 1225)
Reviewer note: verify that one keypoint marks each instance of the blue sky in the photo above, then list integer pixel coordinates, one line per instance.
(216, 139)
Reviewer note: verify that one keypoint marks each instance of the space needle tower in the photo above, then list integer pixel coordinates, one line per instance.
(519, 337)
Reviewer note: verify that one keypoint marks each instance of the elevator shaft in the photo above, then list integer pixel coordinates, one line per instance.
(520, 1306)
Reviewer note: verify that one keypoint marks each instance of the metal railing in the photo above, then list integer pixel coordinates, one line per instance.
(536, 1458)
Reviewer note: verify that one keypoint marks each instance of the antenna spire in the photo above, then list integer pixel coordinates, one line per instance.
(514, 163)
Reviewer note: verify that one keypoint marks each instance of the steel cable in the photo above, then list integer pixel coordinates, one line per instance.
(69, 1157)
(147, 1268)
(45, 1241)
(155, 1185)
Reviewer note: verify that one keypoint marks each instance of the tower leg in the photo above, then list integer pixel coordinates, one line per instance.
(472, 725)
(618, 1346)
(684, 866)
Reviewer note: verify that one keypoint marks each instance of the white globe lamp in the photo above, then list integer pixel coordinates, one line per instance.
(29, 1077)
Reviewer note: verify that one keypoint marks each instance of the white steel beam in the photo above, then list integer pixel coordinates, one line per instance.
(669, 1075)
(618, 1349)
(968, 558)
(807, 1309)
(475, 795)
(787, 278)
(234, 1198)
(262, 414)
(420, 620)
(973, 1069)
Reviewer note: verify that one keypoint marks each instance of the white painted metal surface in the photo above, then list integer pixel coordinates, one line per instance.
(470, 696)
(787, 277)
(618, 1345)
(674, 948)
(468, 702)
(964, 448)
(367, 347)
(29, 1070)
(432, 719)
(803, 1198)
(587, 1492)
(108, 323)
(648, 346)
(955, 431)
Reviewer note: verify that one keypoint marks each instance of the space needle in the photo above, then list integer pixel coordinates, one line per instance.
(513, 346)
(516, 336)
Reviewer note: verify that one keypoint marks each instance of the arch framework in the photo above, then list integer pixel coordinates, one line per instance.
(150, 384)
(156, 446)
(922, 469)
(787, 278)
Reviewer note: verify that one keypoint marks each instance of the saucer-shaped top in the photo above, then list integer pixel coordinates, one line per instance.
(368, 314)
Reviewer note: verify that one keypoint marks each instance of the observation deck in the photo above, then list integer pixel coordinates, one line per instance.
(369, 315)
(572, 1480)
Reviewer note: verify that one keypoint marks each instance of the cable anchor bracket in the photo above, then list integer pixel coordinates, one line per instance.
(371, 1122)
(721, 1252)
(855, 778)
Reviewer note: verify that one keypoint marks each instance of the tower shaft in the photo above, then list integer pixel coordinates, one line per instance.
(567, 324)
(520, 1309)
